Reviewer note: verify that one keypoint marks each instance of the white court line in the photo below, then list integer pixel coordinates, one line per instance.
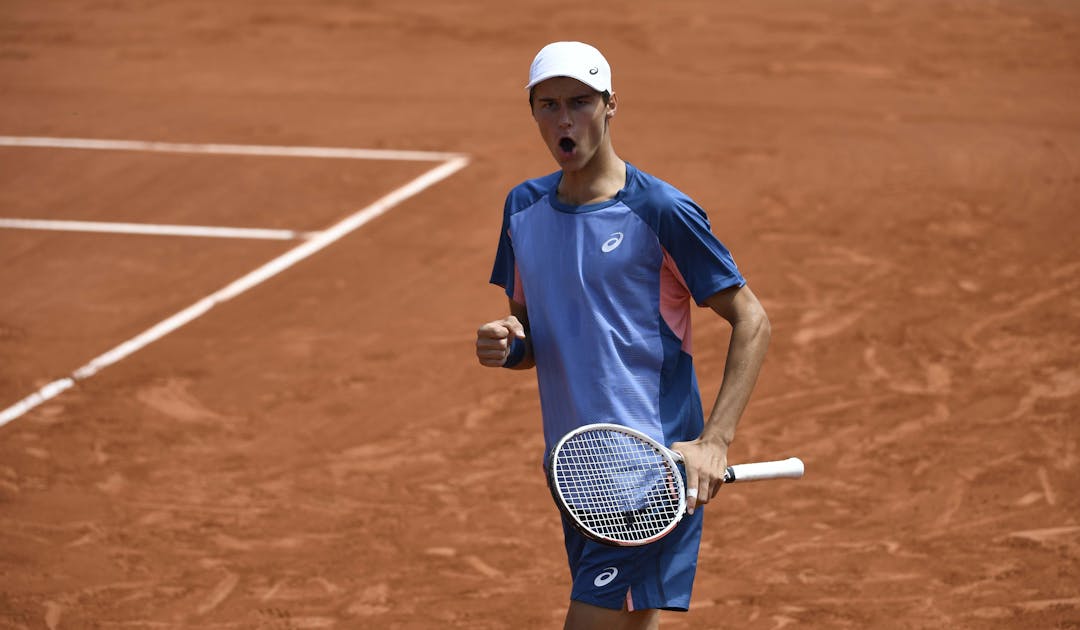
(227, 149)
(252, 279)
(153, 229)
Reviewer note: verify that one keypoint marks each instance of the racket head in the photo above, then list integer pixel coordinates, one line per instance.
(616, 485)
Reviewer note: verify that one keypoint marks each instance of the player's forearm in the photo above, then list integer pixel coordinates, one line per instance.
(746, 354)
(526, 361)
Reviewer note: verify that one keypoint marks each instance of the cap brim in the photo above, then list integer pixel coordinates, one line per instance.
(545, 77)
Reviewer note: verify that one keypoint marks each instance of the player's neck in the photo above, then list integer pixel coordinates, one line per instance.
(599, 180)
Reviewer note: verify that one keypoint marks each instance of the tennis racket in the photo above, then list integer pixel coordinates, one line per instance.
(620, 487)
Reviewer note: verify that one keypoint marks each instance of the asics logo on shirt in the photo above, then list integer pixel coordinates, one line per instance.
(605, 577)
(613, 241)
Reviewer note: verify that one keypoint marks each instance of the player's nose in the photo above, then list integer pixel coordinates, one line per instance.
(564, 119)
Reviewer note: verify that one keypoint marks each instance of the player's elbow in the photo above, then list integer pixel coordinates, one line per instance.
(757, 321)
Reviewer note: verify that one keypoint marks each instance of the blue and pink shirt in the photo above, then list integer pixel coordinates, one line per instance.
(608, 288)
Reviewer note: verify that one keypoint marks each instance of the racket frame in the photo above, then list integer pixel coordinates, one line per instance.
(671, 458)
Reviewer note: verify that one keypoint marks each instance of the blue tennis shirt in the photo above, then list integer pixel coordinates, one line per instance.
(608, 288)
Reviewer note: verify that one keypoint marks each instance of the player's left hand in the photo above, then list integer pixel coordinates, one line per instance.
(705, 463)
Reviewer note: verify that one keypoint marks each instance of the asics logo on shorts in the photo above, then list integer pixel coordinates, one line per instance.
(606, 577)
(613, 241)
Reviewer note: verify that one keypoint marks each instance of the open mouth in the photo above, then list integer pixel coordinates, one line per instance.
(567, 145)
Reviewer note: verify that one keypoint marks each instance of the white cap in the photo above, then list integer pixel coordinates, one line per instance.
(571, 59)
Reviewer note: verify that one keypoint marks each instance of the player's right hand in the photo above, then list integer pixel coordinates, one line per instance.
(493, 340)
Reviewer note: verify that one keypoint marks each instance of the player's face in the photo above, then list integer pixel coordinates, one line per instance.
(572, 118)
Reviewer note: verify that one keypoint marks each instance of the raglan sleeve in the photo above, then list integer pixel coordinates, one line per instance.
(705, 264)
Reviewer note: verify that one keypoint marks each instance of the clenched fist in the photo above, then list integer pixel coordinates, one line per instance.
(493, 340)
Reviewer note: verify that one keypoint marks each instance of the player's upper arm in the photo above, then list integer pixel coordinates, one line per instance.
(738, 305)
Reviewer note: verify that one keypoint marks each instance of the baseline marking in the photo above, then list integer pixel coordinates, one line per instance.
(228, 149)
(154, 229)
(452, 163)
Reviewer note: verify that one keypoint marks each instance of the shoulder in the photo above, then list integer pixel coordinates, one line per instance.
(656, 200)
(529, 192)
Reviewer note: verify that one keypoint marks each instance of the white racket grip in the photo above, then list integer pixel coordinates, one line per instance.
(791, 468)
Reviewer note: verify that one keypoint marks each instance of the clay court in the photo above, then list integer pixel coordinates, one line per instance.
(317, 447)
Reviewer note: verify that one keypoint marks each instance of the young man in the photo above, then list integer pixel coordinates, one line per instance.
(600, 262)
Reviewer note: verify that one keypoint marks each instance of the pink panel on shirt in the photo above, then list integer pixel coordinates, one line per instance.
(675, 301)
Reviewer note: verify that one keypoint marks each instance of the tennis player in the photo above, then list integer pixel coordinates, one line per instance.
(601, 262)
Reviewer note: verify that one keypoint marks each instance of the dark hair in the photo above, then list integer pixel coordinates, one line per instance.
(605, 95)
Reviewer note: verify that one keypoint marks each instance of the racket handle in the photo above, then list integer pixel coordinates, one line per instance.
(791, 468)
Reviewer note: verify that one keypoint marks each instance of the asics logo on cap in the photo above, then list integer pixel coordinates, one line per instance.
(594, 70)
(613, 241)
(605, 577)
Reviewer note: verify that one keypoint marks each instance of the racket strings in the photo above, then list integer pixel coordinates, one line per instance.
(617, 486)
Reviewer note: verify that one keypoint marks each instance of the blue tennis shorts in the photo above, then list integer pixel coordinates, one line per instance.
(657, 575)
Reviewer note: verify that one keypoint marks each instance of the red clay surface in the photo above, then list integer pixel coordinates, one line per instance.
(899, 181)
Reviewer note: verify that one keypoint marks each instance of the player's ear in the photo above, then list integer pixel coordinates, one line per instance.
(612, 105)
